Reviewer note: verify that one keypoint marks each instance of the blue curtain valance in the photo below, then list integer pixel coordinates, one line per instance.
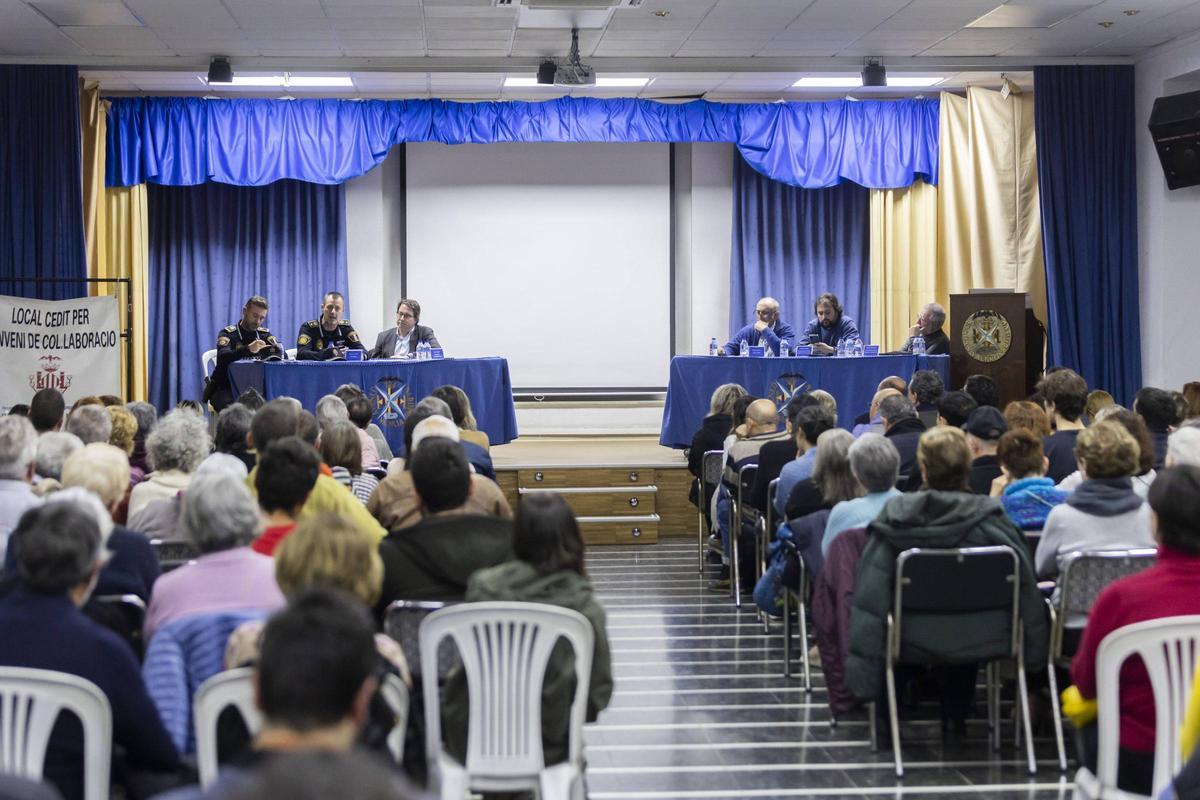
(182, 141)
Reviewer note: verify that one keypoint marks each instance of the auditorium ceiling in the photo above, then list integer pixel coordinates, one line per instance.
(477, 49)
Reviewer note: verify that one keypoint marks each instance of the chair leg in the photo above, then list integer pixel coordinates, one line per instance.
(993, 706)
(735, 571)
(872, 727)
(1058, 723)
(700, 536)
(787, 633)
(1025, 721)
(801, 607)
(894, 720)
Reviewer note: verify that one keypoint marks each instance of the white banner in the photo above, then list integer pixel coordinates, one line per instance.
(69, 345)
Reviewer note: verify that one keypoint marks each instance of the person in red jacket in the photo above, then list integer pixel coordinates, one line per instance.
(1168, 589)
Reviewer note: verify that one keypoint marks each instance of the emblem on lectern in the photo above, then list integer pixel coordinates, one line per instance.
(986, 335)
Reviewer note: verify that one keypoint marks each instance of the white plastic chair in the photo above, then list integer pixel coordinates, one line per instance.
(395, 694)
(30, 702)
(208, 362)
(291, 353)
(504, 649)
(232, 688)
(1170, 649)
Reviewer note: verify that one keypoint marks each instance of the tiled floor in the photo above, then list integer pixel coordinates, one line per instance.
(701, 709)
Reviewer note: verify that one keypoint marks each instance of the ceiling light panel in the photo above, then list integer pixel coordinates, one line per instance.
(828, 82)
(89, 14)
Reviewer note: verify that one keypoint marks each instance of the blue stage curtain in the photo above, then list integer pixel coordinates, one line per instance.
(179, 141)
(213, 246)
(794, 245)
(41, 194)
(1086, 173)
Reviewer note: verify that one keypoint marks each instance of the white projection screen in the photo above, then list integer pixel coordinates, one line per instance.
(553, 255)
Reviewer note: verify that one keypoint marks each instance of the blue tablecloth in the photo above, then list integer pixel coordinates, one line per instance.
(852, 382)
(393, 386)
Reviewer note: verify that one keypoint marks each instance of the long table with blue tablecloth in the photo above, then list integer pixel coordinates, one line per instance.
(851, 381)
(392, 386)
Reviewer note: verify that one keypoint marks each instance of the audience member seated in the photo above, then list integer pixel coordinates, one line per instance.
(984, 428)
(460, 412)
(1024, 491)
(830, 481)
(1191, 393)
(711, 436)
(1137, 429)
(46, 410)
(808, 423)
(289, 471)
(925, 388)
(18, 459)
(350, 392)
(41, 627)
(284, 417)
(875, 464)
(394, 502)
(1183, 447)
(159, 519)
(1103, 513)
(103, 470)
(147, 417)
(124, 431)
(221, 519)
(331, 409)
(983, 390)
(90, 422)
(872, 414)
(341, 449)
(954, 408)
(252, 399)
(947, 515)
(315, 677)
(433, 559)
(1097, 401)
(1167, 589)
(1025, 415)
(1064, 393)
(232, 433)
(1157, 408)
(547, 567)
(873, 420)
(174, 449)
(903, 429)
(53, 449)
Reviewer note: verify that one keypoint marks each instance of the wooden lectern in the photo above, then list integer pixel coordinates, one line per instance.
(994, 333)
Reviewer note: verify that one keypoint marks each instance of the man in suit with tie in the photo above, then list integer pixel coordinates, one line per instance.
(402, 340)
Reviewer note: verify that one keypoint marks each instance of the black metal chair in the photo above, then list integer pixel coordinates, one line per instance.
(710, 475)
(954, 585)
(740, 512)
(402, 622)
(123, 614)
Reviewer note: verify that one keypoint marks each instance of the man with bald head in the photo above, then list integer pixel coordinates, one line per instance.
(767, 329)
(874, 423)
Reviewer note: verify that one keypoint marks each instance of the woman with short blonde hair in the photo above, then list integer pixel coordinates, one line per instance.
(944, 458)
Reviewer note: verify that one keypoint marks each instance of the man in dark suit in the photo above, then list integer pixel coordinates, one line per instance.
(402, 340)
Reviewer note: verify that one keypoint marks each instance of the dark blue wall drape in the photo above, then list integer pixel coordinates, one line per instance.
(41, 197)
(795, 244)
(212, 246)
(1086, 174)
(179, 141)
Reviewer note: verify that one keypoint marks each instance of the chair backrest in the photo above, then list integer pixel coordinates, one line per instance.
(769, 511)
(958, 581)
(232, 688)
(174, 554)
(123, 614)
(208, 362)
(505, 648)
(30, 702)
(1083, 576)
(395, 693)
(711, 465)
(1169, 647)
(402, 622)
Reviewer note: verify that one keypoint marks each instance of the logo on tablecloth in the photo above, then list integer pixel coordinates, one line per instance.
(393, 401)
(785, 387)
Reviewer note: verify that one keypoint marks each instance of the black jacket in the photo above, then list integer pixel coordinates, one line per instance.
(805, 499)
(984, 470)
(710, 436)
(772, 458)
(904, 434)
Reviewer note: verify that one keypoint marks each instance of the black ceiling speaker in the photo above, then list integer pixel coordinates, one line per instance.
(874, 74)
(546, 72)
(1175, 126)
(220, 70)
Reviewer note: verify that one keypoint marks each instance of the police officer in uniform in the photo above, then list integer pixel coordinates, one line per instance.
(328, 337)
(247, 339)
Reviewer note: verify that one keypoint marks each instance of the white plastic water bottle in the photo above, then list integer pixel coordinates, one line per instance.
(785, 350)
(744, 348)
(841, 348)
(918, 347)
(712, 346)
(422, 351)
(858, 348)
(767, 351)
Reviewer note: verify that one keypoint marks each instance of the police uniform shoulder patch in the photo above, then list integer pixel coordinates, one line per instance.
(271, 340)
(303, 340)
(353, 336)
(230, 329)
(222, 341)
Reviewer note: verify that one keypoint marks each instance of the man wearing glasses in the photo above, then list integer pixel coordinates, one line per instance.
(767, 329)
(402, 340)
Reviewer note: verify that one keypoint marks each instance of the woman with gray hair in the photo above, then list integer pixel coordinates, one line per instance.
(176, 446)
(221, 519)
(53, 448)
(875, 462)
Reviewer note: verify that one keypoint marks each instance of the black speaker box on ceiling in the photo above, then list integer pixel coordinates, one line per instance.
(1175, 126)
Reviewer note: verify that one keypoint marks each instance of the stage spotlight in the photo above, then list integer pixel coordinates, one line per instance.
(874, 74)
(220, 70)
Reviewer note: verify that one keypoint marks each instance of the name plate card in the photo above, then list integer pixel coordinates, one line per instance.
(437, 354)
(871, 350)
(757, 351)
(803, 350)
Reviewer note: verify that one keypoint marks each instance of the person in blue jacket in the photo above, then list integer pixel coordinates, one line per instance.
(767, 329)
(829, 327)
